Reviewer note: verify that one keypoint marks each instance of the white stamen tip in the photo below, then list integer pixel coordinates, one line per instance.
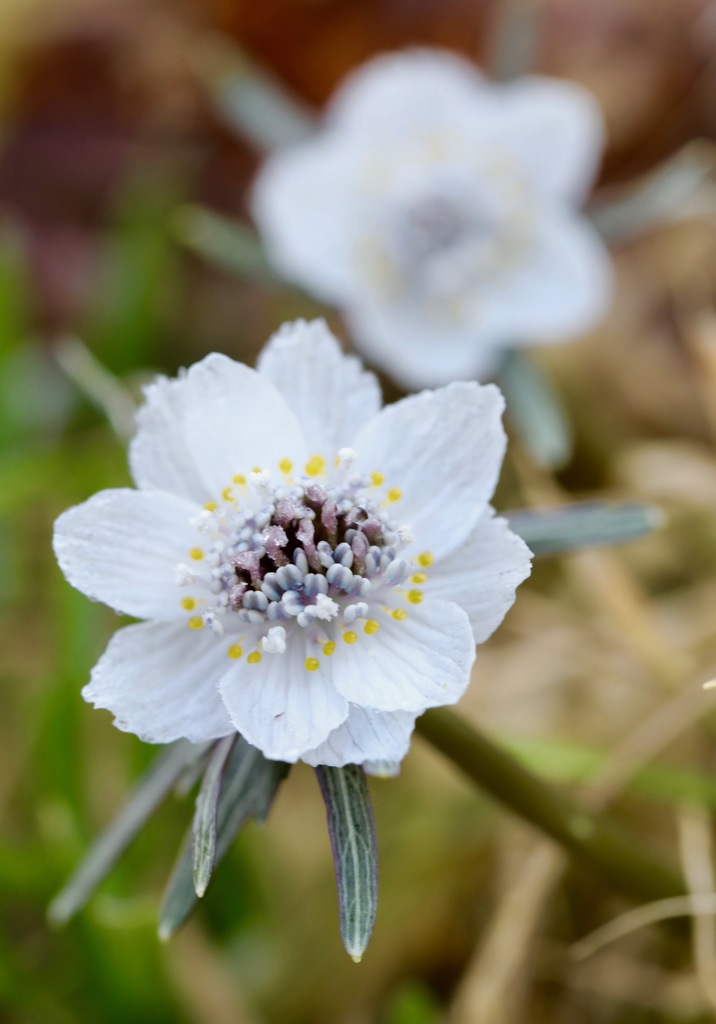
(184, 575)
(326, 608)
(275, 640)
(405, 535)
(346, 457)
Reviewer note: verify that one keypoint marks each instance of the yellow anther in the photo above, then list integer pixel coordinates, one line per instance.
(329, 648)
(254, 658)
(419, 577)
(211, 506)
(350, 637)
(196, 622)
(395, 494)
(427, 558)
(377, 479)
(227, 494)
(256, 469)
(188, 603)
(197, 554)
(311, 664)
(414, 596)
(371, 627)
(400, 614)
(235, 651)
(316, 466)
(238, 479)
(285, 465)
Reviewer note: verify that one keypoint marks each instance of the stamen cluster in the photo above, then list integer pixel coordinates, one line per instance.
(302, 551)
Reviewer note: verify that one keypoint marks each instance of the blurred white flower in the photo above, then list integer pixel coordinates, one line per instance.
(438, 211)
(267, 546)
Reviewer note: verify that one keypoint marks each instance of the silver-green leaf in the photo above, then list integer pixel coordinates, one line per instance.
(355, 852)
(535, 410)
(252, 101)
(584, 524)
(248, 788)
(205, 817)
(226, 242)
(151, 791)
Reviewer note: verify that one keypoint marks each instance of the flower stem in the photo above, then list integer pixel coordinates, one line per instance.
(591, 839)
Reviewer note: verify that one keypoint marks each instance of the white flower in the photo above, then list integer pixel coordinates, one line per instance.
(438, 211)
(307, 618)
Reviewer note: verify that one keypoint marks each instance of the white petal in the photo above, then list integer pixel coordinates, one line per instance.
(160, 680)
(419, 663)
(399, 92)
(443, 449)
(236, 421)
(556, 130)
(330, 393)
(304, 203)
(366, 735)
(563, 288)
(279, 707)
(158, 455)
(418, 351)
(121, 547)
(483, 574)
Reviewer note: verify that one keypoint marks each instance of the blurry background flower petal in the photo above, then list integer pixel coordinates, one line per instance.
(447, 201)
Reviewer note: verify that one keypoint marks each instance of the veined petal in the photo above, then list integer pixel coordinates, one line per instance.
(399, 92)
(562, 288)
(330, 392)
(121, 546)
(160, 680)
(366, 735)
(158, 455)
(418, 351)
(483, 575)
(307, 210)
(279, 707)
(556, 130)
(421, 662)
(443, 450)
(236, 421)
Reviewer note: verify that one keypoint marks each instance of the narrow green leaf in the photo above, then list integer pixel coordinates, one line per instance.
(535, 410)
(205, 818)
(355, 852)
(151, 791)
(249, 786)
(584, 524)
(560, 761)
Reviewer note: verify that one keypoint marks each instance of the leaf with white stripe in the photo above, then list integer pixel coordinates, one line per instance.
(148, 794)
(249, 784)
(355, 852)
(205, 817)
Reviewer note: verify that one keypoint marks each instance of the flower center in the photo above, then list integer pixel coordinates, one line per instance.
(450, 228)
(317, 551)
(439, 227)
